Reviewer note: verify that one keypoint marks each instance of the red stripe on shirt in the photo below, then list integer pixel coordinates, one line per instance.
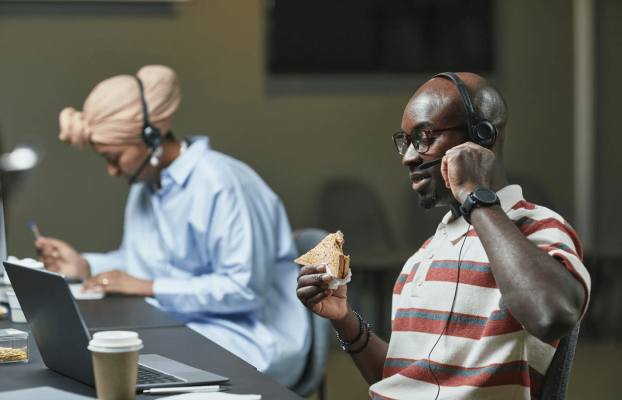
(483, 379)
(377, 396)
(412, 273)
(426, 243)
(568, 264)
(399, 285)
(525, 205)
(553, 247)
(472, 233)
(549, 223)
(492, 327)
(467, 277)
(535, 386)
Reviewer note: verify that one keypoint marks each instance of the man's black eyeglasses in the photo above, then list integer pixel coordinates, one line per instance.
(420, 139)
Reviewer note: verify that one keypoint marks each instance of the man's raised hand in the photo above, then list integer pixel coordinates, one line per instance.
(466, 167)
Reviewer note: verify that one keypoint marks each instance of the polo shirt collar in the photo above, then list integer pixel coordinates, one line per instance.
(508, 196)
(179, 171)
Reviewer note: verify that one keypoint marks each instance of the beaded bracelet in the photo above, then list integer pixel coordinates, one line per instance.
(345, 343)
(350, 343)
(364, 346)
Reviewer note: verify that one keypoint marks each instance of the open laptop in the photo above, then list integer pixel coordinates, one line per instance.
(62, 337)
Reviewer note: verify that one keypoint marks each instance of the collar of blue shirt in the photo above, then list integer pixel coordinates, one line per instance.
(179, 171)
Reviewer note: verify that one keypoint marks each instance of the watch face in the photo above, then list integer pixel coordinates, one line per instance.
(485, 195)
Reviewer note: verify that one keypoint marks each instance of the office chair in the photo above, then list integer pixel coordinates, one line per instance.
(354, 207)
(314, 373)
(557, 377)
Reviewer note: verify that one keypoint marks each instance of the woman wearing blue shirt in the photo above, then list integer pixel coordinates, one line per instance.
(204, 235)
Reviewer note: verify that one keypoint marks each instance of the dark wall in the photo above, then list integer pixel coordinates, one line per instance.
(53, 55)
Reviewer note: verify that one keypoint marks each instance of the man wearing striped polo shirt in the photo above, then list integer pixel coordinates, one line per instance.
(479, 309)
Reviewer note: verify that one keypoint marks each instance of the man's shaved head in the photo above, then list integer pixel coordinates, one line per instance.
(437, 106)
(440, 95)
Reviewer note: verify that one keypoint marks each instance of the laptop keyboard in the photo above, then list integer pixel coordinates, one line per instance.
(147, 376)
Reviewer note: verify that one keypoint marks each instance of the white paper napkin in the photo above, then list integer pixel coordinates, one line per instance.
(336, 282)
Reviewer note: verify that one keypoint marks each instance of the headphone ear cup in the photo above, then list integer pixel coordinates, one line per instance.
(483, 133)
(487, 143)
(151, 136)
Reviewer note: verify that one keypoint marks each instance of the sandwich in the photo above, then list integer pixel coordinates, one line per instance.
(330, 252)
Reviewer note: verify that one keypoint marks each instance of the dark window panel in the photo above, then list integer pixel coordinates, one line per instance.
(380, 36)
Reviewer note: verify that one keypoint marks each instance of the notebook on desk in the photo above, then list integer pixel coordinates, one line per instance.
(62, 336)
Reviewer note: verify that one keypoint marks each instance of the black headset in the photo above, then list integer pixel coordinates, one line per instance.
(150, 134)
(481, 130)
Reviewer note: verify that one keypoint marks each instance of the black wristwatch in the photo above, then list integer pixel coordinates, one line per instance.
(482, 197)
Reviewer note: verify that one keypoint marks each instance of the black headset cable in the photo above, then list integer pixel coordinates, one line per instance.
(453, 303)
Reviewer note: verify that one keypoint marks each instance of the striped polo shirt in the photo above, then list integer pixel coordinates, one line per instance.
(484, 353)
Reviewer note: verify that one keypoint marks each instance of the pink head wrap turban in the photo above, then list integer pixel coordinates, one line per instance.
(113, 114)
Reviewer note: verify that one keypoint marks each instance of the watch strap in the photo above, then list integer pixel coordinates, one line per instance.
(466, 207)
(471, 201)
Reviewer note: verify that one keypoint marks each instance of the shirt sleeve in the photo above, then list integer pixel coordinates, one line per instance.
(555, 236)
(102, 262)
(240, 243)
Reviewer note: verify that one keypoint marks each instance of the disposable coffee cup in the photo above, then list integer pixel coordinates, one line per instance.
(115, 363)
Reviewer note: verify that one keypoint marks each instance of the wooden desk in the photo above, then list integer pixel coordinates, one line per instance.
(124, 312)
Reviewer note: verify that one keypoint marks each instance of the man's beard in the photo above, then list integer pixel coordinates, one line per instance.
(428, 202)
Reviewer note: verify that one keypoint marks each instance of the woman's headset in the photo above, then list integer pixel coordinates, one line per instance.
(152, 137)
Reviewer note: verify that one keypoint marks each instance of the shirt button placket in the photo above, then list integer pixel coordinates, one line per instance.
(420, 280)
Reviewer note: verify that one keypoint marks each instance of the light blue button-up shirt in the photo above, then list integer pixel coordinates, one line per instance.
(216, 241)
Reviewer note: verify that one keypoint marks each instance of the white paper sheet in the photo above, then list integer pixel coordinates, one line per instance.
(215, 396)
(41, 392)
(78, 294)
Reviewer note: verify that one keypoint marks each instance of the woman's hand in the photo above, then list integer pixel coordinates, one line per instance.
(118, 281)
(314, 293)
(58, 256)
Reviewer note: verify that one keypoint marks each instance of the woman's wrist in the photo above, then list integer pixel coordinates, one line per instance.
(84, 269)
(145, 288)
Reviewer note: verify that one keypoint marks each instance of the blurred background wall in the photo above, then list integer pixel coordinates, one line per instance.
(53, 54)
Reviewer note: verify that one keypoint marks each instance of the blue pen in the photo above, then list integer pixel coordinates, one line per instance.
(34, 229)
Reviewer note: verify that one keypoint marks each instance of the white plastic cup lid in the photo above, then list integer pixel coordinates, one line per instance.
(115, 341)
(26, 262)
